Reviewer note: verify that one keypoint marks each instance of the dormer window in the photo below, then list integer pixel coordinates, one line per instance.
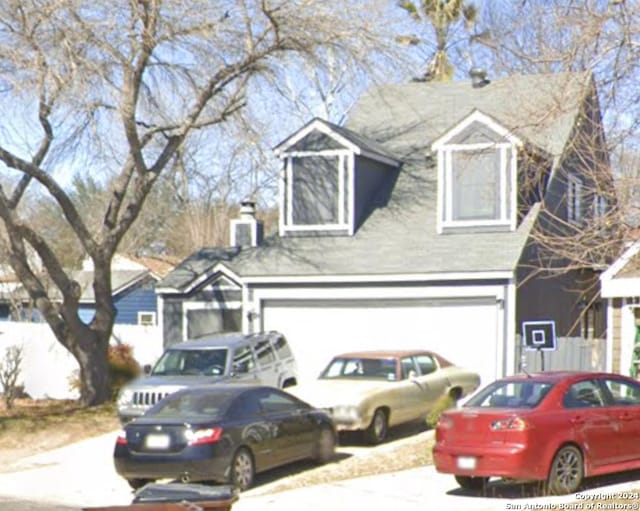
(329, 174)
(317, 189)
(477, 169)
(474, 186)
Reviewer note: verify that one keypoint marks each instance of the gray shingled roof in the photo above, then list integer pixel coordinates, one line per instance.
(120, 280)
(399, 236)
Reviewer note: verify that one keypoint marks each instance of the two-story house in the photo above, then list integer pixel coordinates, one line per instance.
(410, 226)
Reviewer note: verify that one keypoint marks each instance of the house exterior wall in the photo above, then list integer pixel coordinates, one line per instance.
(172, 319)
(138, 298)
(369, 176)
(215, 308)
(557, 298)
(616, 334)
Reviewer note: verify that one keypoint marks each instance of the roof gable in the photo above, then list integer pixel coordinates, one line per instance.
(477, 127)
(320, 135)
(622, 278)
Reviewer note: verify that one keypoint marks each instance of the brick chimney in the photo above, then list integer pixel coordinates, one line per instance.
(246, 231)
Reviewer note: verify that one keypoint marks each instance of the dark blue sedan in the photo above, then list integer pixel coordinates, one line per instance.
(222, 433)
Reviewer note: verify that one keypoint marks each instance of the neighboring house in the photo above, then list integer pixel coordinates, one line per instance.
(134, 280)
(621, 290)
(411, 226)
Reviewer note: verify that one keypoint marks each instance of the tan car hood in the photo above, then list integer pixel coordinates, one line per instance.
(328, 393)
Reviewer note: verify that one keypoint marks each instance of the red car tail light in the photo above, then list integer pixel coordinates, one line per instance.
(204, 436)
(122, 438)
(444, 423)
(510, 424)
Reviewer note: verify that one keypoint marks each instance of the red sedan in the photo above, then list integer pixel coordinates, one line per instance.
(555, 427)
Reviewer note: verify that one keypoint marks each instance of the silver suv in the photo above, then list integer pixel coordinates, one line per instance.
(264, 358)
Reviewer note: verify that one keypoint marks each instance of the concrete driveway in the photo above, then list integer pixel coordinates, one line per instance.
(82, 475)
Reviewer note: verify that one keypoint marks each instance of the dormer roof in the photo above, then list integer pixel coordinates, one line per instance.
(319, 134)
(477, 124)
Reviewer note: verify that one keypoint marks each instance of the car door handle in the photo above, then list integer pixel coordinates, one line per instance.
(625, 417)
(577, 420)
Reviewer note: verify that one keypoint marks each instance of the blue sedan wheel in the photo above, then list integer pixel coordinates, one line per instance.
(242, 469)
(325, 447)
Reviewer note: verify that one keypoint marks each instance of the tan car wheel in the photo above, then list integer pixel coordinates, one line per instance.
(377, 430)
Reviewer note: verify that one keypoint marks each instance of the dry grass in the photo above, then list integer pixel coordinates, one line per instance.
(33, 426)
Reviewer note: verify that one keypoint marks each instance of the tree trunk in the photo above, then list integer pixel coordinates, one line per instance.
(91, 350)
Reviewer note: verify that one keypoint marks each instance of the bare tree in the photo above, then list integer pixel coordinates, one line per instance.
(599, 37)
(10, 368)
(115, 89)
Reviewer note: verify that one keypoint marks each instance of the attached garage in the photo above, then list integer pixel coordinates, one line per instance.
(467, 331)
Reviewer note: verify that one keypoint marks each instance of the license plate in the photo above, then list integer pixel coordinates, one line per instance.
(156, 441)
(466, 462)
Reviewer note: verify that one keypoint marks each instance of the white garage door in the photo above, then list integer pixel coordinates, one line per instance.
(464, 331)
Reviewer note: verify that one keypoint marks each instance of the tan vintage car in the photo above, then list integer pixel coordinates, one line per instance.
(374, 390)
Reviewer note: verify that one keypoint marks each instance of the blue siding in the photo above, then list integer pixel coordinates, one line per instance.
(138, 298)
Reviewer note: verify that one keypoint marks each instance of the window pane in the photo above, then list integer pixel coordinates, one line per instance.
(476, 185)
(623, 392)
(407, 366)
(264, 353)
(243, 360)
(315, 190)
(511, 394)
(584, 394)
(282, 347)
(426, 364)
(274, 402)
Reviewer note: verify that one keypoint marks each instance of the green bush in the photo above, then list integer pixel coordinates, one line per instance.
(122, 366)
(445, 402)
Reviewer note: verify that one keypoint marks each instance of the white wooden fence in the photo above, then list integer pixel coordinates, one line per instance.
(47, 367)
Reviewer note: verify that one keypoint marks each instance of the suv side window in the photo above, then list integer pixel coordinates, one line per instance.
(281, 346)
(264, 353)
(243, 361)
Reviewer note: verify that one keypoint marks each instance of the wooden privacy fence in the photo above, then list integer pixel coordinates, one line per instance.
(572, 353)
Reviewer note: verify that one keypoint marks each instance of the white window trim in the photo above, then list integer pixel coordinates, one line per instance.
(574, 199)
(346, 174)
(508, 186)
(152, 316)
